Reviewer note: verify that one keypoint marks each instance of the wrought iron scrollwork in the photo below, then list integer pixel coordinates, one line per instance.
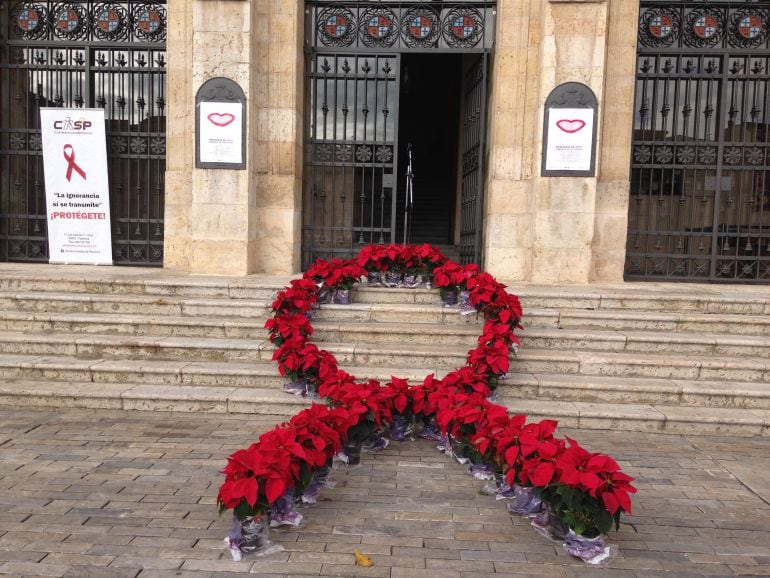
(78, 21)
(149, 21)
(659, 27)
(748, 27)
(379, 27)
(336, 26)
(420, 27)
(30, 20)
(463, 27)
(86, 53)
(704, 28)
(70, 21)
(110, 22)
(700, 160)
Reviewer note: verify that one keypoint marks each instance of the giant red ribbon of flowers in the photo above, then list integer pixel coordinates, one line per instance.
(588, 484)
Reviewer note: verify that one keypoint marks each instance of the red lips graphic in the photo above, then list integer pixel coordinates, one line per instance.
(221, 119)
(570, 125)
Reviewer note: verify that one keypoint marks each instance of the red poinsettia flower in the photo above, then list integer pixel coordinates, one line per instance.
(540, 469)
(611, 485)
(286, 325)
(318, 439)
(298, 298)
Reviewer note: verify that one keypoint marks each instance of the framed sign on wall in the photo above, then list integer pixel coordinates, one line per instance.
(569, 132)
(220, 125)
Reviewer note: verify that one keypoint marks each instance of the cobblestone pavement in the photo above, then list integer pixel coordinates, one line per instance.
(101, 493)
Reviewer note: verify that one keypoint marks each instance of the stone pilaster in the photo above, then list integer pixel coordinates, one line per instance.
(558, 229)
(276, 114)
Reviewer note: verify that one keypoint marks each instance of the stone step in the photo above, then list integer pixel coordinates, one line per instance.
(49, 302)
(152, 310)
(259, 311)
(432, 357)
(653, 297)
(715, 323)
(680, 420)
(264, 375)
(170, 372)
(152, 397)
(374, 331)
(687, 420)
(636, 390)
(136, 281)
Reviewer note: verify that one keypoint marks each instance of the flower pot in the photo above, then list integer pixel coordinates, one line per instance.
(342, 297)
(374, 443)
(591, 550)
(373, 279)
(525, 501)
(464, 300)
(311, 390)
(247, 536)
(401, 428)
(353, 451)
(430, 431)
(392, 279)
(298, 387)
(283, 511)
(326, 295)
(548, 523)
(449, 298)
(411, 281)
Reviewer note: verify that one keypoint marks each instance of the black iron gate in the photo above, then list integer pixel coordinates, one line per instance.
(700, 167)
(473, 131)
(352, 78)
(85, 54)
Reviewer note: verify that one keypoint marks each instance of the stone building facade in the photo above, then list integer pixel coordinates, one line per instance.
(546, 230)
(533, 228)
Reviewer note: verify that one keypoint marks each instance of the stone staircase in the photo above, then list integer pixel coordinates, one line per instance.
(646, 357)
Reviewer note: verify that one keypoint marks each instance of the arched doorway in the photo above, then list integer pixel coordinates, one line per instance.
(381, 81)
(700, 166)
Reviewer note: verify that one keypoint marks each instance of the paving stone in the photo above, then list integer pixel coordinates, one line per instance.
(157, 470)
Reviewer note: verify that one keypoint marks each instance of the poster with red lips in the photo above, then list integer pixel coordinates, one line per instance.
(221, 132)
(76, 185)
(570, 139)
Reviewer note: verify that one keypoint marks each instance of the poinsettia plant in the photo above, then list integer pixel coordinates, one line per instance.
(366, 400)
(339, 273)
(287, 326)
(587, 490)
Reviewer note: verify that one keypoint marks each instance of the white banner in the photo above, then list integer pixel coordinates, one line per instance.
(570, 139)
(76, 185)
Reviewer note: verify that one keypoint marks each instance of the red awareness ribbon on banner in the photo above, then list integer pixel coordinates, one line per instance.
(69, 156)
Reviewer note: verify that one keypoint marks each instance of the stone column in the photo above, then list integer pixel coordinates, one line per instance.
(207, 210)
(277, 117)
(611, 217)
(558, 229)
(225, 221)
(180, 147)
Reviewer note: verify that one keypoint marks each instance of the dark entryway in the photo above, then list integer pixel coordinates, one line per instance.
(378, 77)
(430, 122)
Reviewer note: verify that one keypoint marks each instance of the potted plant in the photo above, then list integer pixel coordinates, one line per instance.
(344, 274)
(403, 418)
(366, 402)
(373, 259)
